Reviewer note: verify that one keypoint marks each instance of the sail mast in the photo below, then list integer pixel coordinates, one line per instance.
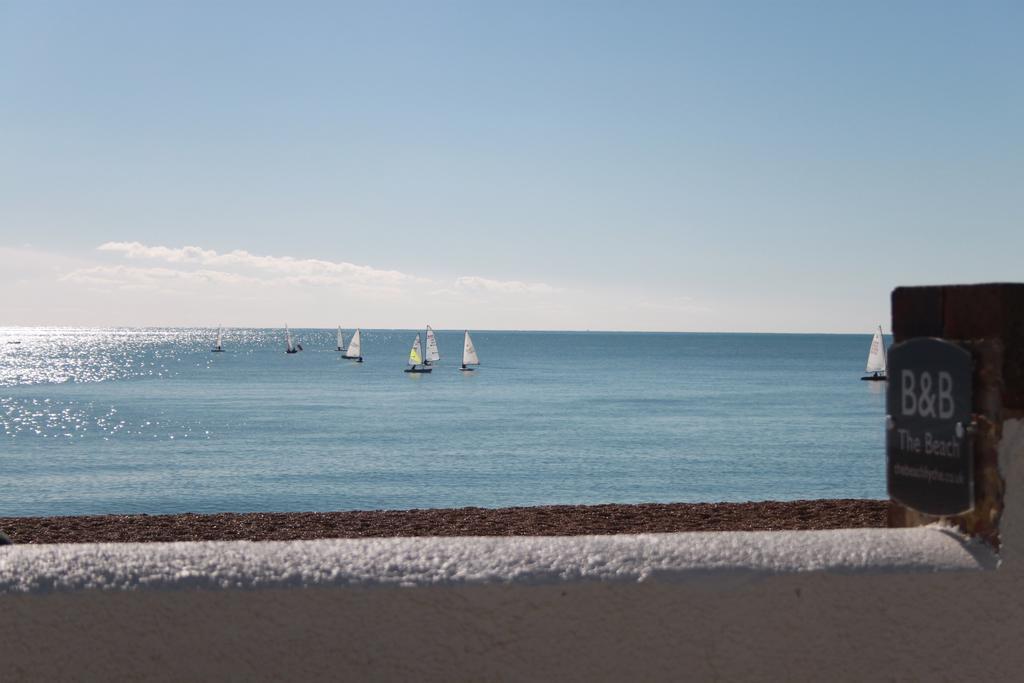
(885, 354)
(469, 356)
(415, 354)
(355, 346)
(876, 355)
(433, 354)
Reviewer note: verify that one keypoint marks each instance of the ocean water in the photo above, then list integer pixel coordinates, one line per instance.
(99, 421)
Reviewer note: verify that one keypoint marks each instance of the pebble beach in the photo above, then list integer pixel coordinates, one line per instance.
(551, 520)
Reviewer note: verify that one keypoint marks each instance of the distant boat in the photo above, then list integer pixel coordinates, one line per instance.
(876, 359)
(416, 358)
(354, 348)
(433, 355)
(289, 347)
(218, 348)
(341, 339)
(469, 356)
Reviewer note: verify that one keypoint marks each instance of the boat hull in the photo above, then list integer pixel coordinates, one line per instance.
(418, 371)
(873, 378)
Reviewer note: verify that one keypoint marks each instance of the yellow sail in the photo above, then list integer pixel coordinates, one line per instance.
(414, 353)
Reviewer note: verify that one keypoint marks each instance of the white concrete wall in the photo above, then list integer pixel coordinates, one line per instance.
(918, 604)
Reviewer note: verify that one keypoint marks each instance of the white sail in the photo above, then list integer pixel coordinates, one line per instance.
(469, 356)
(354, 345)
(288, 339)
(219, 336)
(432, 353)
(876, 356)
(415, 353)
(341, 339)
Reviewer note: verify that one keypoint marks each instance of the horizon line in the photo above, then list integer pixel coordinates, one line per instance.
(413, 329)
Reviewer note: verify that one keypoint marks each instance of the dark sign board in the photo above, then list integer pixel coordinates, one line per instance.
(930, 463)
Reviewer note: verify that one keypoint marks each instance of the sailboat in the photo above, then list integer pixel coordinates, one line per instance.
(469, 356)
(354, 348)
(289, 347)
(433, 354)
(416, 359)
(876, 359)
(218, 348)
(341, 339)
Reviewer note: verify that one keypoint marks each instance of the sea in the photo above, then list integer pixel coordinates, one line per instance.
(118, 420)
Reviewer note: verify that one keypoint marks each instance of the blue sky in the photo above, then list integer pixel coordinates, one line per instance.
(720, 166)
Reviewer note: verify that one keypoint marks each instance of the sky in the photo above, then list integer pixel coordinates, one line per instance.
(670, 166)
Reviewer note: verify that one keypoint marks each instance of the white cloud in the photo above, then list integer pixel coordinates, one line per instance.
(473, 283)
(130, 283)
(196, 265)
(153, 278)
(301, 271)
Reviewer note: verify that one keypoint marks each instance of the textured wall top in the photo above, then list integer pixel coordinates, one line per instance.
(448, 561)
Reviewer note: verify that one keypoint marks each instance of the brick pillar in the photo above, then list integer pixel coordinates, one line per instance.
(987, 320)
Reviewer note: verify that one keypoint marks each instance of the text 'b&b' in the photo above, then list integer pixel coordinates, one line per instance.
(923, 396)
